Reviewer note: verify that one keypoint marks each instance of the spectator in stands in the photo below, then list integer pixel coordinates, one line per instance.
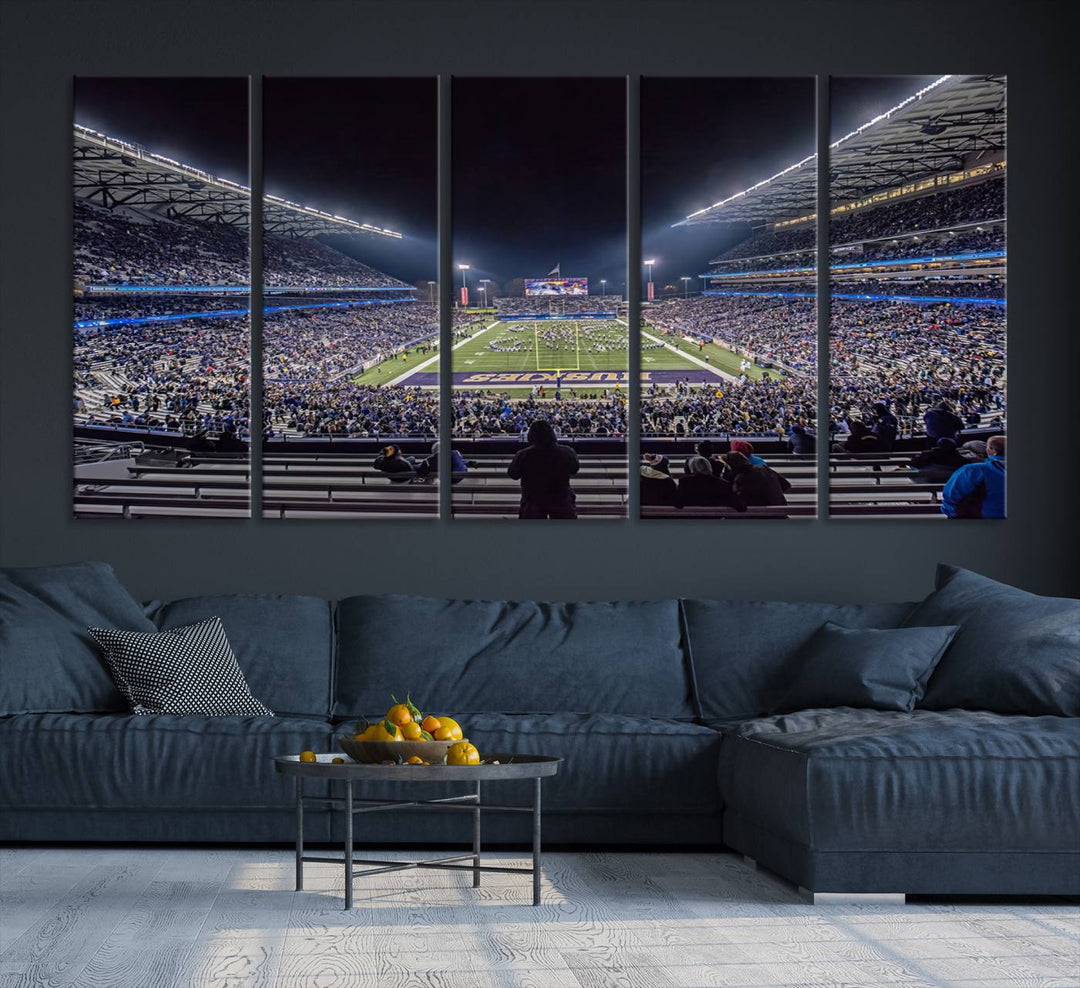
(939, 462)
(401, 469)
(702, 488)
(942, 422)
(544, 468)
(228, 443)
(886, 426)
(657, 485)
(861, 438)
(801, 440)
(430, 466)
(747, 450)
(975, 448)
(977, 490)
(706, 449)
(755, 485)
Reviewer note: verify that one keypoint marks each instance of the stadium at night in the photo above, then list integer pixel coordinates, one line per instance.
(350, 349)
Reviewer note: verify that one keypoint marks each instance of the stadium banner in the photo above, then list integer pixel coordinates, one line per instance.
(464, 296)
(341, 371)
(546, 375)
(556, 286)
(161, 338)
(918, 313)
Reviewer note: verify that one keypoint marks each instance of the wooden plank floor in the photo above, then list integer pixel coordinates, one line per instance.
(196, 918)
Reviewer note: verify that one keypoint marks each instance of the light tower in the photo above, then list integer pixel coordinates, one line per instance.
(649, 264)
(685, 284)
(464, 286)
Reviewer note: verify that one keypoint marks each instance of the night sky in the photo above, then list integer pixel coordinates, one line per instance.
(539, 164)
(540, 178)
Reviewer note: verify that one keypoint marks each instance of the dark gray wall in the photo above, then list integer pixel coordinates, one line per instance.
(45, 42)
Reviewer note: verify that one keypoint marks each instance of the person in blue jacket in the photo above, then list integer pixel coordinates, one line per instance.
(978, 489)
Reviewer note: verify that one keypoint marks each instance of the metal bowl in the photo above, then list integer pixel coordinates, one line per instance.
(377, 752)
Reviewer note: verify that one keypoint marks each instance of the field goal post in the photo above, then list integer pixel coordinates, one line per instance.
(561, 355)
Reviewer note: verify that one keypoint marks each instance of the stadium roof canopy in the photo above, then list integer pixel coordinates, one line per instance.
(112, 172)
(954, 123)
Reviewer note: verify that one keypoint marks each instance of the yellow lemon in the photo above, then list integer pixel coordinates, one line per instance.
(462, 753)
(337, 761)
(308, 756)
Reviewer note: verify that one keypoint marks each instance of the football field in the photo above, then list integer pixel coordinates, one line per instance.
(577, 353)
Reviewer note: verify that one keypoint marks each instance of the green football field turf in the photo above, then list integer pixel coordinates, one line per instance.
(576, 350)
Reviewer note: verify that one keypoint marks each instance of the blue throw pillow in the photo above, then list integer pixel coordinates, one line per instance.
(1015, 652)
(48, 662)
(883, 669)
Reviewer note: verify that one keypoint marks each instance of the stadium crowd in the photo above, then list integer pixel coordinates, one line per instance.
(180, 377)
(907, 355)
(127, 246)
(965, 204)
(322, 345)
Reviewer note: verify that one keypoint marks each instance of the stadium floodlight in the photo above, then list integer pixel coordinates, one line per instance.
(941, 80)
(685, 284)
(603, 287)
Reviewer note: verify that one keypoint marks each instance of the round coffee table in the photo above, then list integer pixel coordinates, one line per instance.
(535, 767)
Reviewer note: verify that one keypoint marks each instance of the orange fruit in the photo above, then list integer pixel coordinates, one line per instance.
(399, 714)
(462, 753)
(385, 731)
(415, 760)
(337, 761)
(308, 756)
(448, 730)
(411, 731)
(431, 724)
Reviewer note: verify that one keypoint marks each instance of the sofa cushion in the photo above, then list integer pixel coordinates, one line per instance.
(882, 669)
(475, 656)
(189, 670)
(118, 761)
(1015, 652)
(743, 652)
(865, 780)
(48, 661)
(284, 644)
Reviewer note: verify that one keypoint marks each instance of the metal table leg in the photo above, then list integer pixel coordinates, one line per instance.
(348, 844)
(299, 833)
(476, 840)
(536, 841)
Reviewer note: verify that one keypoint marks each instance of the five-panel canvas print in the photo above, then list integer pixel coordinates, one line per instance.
(811, 337)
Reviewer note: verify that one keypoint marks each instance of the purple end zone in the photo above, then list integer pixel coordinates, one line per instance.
(569, 379)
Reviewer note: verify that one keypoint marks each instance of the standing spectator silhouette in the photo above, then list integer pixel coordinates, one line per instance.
(544, 469)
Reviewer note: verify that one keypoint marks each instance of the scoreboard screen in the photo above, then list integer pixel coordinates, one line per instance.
(556, 286)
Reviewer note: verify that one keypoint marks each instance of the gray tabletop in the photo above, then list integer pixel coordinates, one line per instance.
(510, 767)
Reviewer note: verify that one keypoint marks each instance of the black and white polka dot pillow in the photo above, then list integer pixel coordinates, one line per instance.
(190, 670)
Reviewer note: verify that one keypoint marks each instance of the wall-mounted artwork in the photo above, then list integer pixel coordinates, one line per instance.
(161, 205)
(918, 313)
(540, 366)
(351, 316)
(729, 315)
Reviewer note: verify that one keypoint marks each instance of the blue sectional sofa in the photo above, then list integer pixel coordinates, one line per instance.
(663, 711)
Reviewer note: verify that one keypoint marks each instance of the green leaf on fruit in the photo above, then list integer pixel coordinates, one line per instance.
(390, 727)
(425, 736)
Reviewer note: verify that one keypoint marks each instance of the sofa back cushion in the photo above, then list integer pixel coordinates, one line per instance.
(743, 651)
(1015, 652)
(48, 661)
(487, 656)
(283, 644)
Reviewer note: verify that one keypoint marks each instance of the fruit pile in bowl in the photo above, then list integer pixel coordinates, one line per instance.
(406, 736)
